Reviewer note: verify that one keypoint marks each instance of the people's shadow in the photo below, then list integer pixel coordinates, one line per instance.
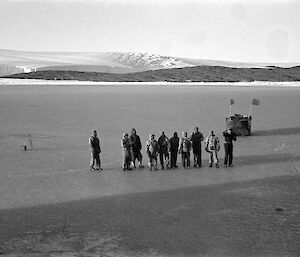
(264, 159)
(277, 132)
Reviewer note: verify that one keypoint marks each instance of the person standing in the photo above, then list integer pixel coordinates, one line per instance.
(229, 136)
(197, 138)
(126, 147)
(163, 143)
(184, 150)
(152, 150)
(136, 148)
(95, 149)
(174, 145)
(212, 146)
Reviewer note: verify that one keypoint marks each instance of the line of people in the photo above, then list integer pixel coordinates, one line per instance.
(167, 150)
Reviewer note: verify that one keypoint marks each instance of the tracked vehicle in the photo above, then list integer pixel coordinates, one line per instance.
(240, 124)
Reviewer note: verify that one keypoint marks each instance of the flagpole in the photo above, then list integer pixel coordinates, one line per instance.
(230, 105)
(250, 110)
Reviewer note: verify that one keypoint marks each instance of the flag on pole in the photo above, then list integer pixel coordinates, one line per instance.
(231, 101)
(255, 102)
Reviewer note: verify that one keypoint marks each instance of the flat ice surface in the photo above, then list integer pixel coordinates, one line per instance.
(60, 119)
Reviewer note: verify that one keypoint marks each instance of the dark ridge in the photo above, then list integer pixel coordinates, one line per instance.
(188, 74)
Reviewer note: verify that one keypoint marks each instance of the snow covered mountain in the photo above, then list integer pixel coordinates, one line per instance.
(12, 62)
(151, 61)
(111, 62)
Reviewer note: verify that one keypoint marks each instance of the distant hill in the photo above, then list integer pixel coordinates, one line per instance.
(12, 62)
(187, 74)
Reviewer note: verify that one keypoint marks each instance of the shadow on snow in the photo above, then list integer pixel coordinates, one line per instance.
(214, 220)
(277, 132)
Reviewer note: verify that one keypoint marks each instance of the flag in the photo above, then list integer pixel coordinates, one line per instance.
(255, 102)
(231, 101)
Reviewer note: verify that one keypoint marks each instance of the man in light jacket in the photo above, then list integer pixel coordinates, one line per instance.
(212, 146)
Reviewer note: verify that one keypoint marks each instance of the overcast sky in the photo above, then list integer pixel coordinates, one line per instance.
(247, 31)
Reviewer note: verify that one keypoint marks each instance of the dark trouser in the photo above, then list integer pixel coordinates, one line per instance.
(174, 158)
(186, 159)
(197, 157)
(137, 155)
(228, 153)
(95, 159)
(162, 157)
